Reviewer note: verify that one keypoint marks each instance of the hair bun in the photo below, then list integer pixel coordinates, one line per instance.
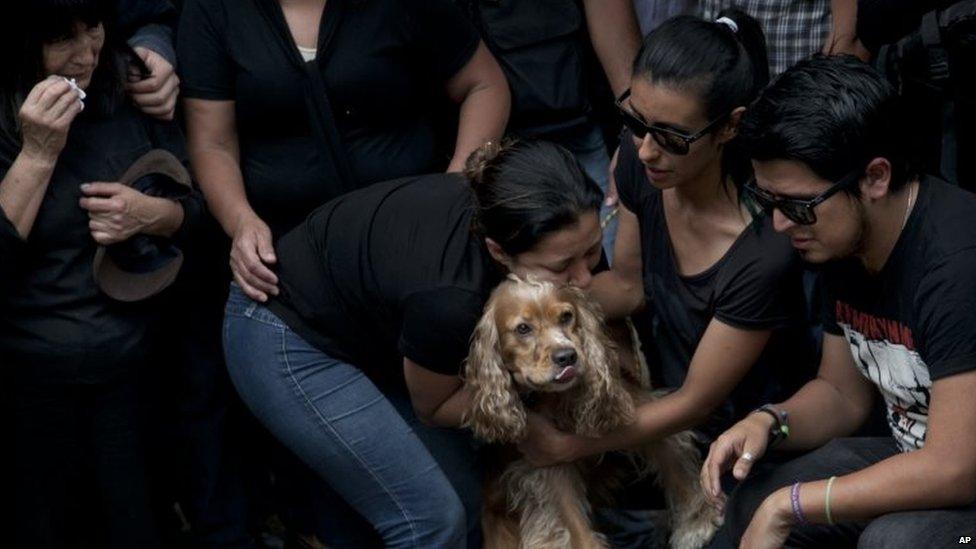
(482, 159)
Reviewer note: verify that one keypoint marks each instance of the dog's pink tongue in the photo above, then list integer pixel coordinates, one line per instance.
(566, 374)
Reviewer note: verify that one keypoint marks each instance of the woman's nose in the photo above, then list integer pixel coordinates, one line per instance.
(649, 150)
(581, 275)
(85, 50)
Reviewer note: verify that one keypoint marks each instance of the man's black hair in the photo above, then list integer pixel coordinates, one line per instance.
(833, 114)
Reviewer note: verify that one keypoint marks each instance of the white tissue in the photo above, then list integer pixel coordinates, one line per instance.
(74, 85)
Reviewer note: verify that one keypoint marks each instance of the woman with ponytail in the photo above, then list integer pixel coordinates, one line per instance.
(715, 293)
(356, 362)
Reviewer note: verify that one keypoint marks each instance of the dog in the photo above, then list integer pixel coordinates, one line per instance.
(537, 340)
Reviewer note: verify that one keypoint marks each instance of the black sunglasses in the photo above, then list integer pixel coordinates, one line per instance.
(670, 140)
(797, 210)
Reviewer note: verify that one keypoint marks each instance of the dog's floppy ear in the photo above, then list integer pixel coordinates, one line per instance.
(496, 413)
(605, 403)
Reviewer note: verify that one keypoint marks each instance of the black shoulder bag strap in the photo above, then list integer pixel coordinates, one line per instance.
(335, 157)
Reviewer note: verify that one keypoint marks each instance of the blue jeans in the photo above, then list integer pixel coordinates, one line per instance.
(591, 152)
(352, 435)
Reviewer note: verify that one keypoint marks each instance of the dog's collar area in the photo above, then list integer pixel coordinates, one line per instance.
(529, 397)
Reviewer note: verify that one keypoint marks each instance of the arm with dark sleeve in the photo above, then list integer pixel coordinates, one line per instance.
(205, 66)
(452, 49)
(168, 136)
(149, 24)
(945, 309)
(12, 246)
(437, 326)
(943, 472)
(764, 287)
(23, 184)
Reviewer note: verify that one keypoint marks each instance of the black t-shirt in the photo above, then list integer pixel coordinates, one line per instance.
(913, 322)
(384, 69)
(387, 272)
(756, 285)
(541, 46)
(53, 317)
(883, 21)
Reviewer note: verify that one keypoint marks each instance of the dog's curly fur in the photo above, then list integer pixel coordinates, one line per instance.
(526, 327)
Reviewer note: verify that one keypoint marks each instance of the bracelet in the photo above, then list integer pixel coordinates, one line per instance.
(780, 430)
(795, 503)
(771, 413)
(830, 484)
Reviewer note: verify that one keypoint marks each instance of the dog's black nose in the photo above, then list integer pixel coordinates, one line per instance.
(564, 357)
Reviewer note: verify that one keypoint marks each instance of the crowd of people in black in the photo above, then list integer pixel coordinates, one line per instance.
(775, 192)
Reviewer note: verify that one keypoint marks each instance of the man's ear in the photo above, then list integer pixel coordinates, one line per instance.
(876, 183)
(731, 128)
(498, 254)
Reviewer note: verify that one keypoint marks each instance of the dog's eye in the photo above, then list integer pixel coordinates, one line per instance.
(523, 329)
(566, 318)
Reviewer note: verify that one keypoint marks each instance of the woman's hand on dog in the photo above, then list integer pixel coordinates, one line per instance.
(737, 449)
(545, 445)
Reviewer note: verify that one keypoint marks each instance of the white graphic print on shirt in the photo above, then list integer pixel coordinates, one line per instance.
(884, 352)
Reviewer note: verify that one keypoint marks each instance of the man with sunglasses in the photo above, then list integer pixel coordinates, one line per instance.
(898, 253)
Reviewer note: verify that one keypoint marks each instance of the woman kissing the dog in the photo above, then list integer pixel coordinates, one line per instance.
(713, 291)
(355, 365)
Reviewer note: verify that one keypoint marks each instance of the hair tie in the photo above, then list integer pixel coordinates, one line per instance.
(728, 23)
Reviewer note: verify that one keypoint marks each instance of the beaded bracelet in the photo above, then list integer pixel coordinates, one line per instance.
(795, 503)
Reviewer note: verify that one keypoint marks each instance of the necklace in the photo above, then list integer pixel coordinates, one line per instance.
(908, 205)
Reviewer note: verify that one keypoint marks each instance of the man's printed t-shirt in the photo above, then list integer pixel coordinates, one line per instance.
(914, 322)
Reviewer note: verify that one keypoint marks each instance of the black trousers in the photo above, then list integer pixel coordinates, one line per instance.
(931, 529)
(206, 451)
(78, 464)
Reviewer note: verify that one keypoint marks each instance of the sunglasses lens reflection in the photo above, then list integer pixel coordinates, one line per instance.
(671, 143)
(797, 213)
(764, 202)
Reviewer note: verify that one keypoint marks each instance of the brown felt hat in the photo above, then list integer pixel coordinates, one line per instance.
(143, 266)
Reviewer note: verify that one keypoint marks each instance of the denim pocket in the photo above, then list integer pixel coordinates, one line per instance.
(238, 304)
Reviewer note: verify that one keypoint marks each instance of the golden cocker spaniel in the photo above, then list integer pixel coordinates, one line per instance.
(548, 344)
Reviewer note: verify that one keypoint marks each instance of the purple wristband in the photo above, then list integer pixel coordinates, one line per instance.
(795, 502)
